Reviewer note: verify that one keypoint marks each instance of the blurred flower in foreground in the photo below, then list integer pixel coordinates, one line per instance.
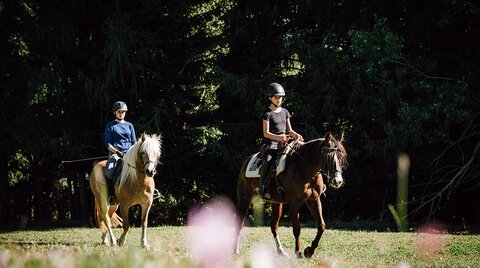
(210, 233)
(431, 239)
(261, 257)
(4, 258)
(404, 265)
(58, 258)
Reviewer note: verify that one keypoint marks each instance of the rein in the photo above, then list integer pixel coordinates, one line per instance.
(134, 167)
(329, 178)
(301, 157)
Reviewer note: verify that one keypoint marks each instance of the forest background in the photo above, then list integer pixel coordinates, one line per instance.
(396, 76)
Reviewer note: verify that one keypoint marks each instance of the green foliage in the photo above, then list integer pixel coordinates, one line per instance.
(18, 168)
(394, 78)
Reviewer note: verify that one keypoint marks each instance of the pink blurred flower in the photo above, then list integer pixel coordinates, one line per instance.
(262, 257)
(210, 233)
(431, 239)
(4, 257)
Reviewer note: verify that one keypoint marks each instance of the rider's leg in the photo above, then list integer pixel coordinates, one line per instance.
(111, 192)
(109, 172)
(265, 172)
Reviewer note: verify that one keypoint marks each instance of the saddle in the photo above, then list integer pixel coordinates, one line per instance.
(113, 168)
(253, 166)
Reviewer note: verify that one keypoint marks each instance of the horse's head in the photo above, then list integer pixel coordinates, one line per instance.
(334, 160)
(149, 153)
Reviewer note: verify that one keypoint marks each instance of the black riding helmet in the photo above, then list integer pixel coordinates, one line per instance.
(119, 105)
(275, 89)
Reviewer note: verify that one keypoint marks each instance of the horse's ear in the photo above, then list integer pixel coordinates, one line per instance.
(143, 137)
(341, 137)
(328, 136)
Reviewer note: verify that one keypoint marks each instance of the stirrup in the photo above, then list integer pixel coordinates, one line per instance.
(111, 200)
(264, 194)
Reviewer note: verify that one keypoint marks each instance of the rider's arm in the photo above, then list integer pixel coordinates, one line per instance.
(291, 132)
(112, 149)
(108, 140)
(133, 136)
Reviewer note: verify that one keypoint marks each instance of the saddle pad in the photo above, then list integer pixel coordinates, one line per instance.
(253, 167)
(102, 179)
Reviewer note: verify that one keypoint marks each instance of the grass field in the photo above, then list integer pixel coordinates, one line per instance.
(80, 247)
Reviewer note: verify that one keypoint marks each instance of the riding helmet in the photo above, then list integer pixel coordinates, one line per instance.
(275, 89)
(119, 105)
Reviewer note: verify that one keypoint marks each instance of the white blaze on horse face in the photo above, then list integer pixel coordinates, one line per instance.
(150, 169)
(337, 176)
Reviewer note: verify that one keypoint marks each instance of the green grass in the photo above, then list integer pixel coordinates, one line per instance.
(80, 247)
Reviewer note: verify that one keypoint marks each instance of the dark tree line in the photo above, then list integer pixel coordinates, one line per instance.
(396, 77)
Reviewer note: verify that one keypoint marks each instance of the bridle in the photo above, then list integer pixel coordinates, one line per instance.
(327, 172)
(324, 171)
(145, 164)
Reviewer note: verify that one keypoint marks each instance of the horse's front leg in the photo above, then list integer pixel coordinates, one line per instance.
(276, 215)
(126, 224)
(296, 227)
(315, 207)
(145, 210)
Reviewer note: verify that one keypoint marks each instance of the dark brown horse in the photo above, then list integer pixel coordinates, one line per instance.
(302, 182)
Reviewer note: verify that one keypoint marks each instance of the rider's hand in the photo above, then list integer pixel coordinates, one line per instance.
(284, 138)
(299, 137)
(119, 153)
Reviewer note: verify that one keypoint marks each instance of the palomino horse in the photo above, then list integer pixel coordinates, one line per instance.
(136, 187)
(302, 182)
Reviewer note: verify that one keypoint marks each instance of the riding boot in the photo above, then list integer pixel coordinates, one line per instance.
(263, 174)
(111, 192)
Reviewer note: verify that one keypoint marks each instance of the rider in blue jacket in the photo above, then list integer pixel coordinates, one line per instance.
(119, 137)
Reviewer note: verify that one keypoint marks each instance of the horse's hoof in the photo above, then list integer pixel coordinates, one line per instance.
(281, 252)
(308, 252)
(298, 254)
(146, 246)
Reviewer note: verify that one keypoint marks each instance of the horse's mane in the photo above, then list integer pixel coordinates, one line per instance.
(309, 149)
(151, 146)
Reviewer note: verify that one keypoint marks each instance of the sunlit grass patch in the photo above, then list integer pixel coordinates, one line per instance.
(80, 247)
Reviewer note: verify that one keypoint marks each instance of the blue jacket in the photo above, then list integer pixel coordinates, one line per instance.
(120, 135)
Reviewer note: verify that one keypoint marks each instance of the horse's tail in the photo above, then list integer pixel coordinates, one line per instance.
(245, 190)
(115, 220)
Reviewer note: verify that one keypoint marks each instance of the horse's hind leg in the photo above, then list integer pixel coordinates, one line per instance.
(126, 225)
(315, 207)
(276, 215)
(244, 196)
(101, 224)
(108, 223)
(293, 213)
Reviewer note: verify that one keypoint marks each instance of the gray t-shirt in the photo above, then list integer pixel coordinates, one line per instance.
(277, 124)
